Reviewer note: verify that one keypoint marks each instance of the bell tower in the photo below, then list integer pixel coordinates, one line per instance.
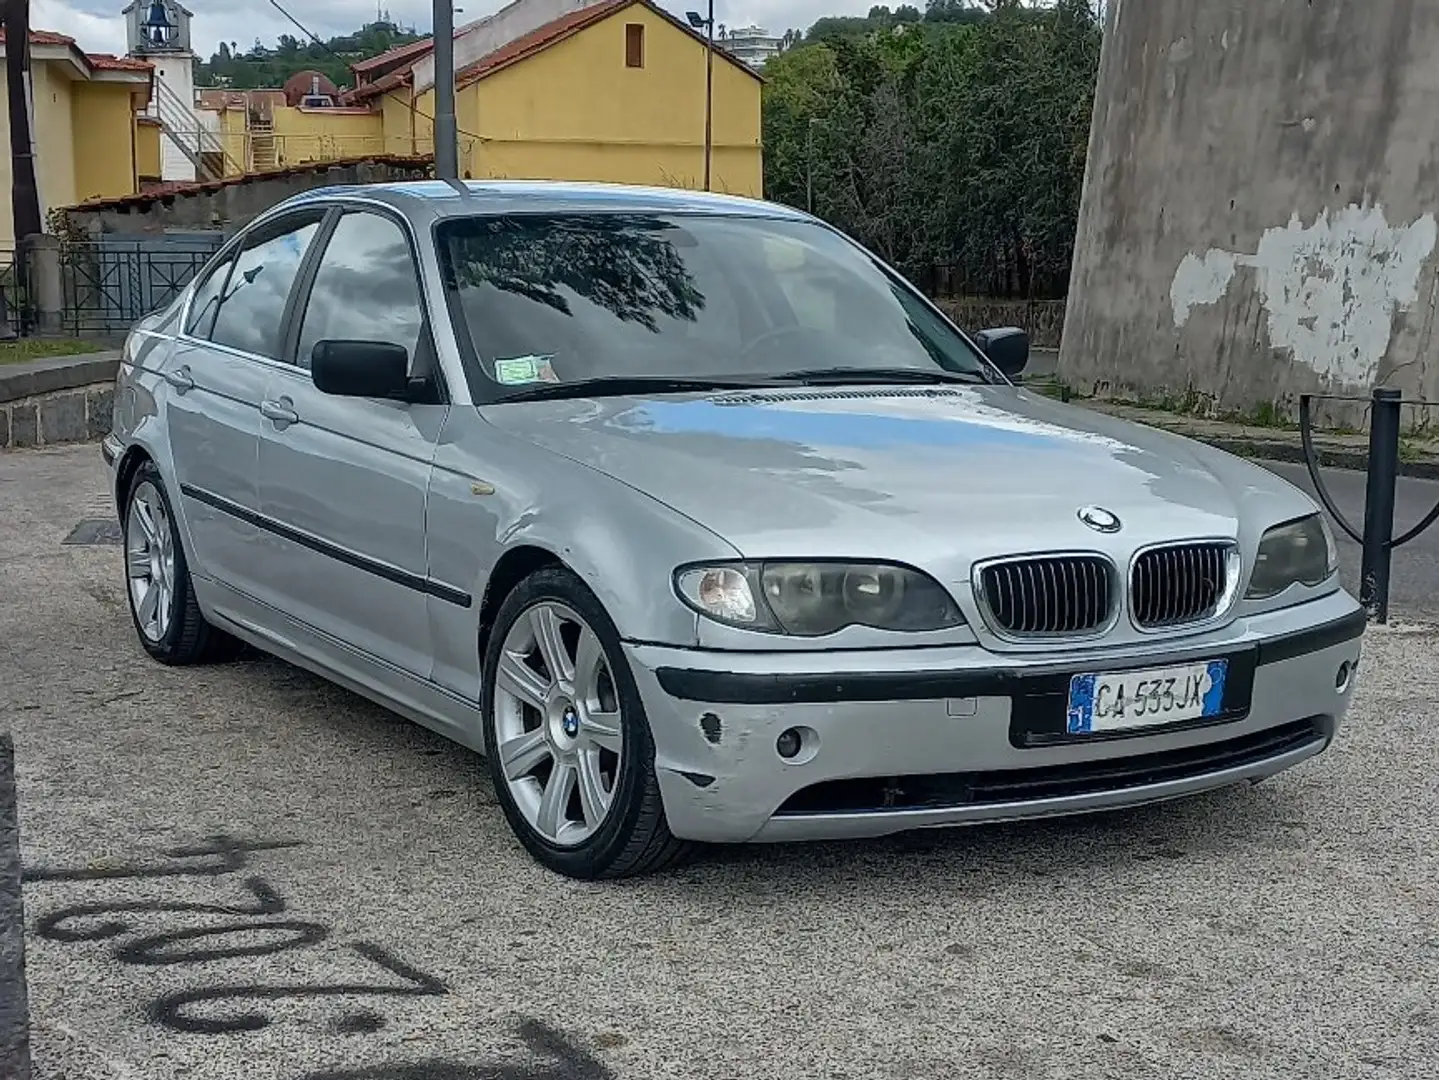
(158, 31)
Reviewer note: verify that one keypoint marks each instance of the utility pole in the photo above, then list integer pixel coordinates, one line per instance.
(709, 91)
(24, 195)
(447, 142)
(709, 24)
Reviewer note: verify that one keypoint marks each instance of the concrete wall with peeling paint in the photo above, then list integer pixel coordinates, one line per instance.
(1259, 209)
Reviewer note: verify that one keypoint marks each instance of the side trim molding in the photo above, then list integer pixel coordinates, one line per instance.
(419, 583)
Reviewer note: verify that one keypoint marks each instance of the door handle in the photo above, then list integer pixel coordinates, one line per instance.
(279, 411)
(180, 378)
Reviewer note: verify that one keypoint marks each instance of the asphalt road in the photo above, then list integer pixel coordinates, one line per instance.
(242, 871)
(1414, 582)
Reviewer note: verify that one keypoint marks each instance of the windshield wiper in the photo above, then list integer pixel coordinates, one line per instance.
(840, 376)
(617, 385)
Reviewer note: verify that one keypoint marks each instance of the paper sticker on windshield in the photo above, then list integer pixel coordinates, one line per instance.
(518, 370)
(784, 252)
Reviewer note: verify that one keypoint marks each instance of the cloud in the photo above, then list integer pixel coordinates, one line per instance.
(98, 26)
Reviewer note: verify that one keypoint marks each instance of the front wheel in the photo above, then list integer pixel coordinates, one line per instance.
(566, 737)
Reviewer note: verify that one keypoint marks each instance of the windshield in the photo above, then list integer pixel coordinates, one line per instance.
(567, 298)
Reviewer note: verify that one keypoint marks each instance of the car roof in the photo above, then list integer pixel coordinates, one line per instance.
(469, 197)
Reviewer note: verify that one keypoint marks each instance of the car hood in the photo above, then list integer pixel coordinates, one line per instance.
(915, 474)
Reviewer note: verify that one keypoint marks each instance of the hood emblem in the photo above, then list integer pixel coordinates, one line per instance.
(1099, 519)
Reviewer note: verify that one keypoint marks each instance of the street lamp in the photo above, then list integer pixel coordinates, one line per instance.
(708, 25)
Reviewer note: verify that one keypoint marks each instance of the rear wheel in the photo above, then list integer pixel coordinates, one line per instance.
(157, 579)
(568, 743)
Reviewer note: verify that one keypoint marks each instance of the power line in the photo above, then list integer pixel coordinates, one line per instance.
(389, 94)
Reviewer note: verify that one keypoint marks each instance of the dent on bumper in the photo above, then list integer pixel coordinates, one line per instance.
(940, 723)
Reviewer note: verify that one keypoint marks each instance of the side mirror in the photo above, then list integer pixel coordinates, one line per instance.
(1007, 348)
(374, 369)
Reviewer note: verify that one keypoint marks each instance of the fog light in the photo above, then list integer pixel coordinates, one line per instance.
(1341, 677)
(788, 743)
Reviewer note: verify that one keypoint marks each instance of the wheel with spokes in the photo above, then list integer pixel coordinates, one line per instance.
(157, 579)
(568, 744)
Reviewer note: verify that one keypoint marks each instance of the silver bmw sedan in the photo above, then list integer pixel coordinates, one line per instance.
(702, 525)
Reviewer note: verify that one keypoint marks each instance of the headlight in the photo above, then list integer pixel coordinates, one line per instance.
(813, 599)
(1301, 552)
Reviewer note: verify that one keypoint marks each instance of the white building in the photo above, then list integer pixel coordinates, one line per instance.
(158, 31)
(751, 44)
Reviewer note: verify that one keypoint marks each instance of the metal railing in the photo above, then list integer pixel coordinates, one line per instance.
(180, 123)
(107, 286)
(1377, 537)
(14, 310)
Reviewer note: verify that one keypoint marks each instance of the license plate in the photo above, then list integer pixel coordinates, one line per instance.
(1131, 699)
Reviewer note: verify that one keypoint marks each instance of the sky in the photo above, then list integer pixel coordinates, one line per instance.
(98, 26)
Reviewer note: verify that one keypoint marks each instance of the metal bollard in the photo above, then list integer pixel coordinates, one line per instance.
(1378, 542)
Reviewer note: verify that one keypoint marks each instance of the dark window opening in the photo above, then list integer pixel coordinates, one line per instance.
(634, 45)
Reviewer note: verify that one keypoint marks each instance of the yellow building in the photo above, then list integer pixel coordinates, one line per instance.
(614, 91)
(84, 126)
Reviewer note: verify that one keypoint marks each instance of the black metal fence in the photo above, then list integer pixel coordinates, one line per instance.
(13, 319)
(1377, 535)
(108, 285)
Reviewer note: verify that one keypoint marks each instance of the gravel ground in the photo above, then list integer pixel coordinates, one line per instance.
(374, 919)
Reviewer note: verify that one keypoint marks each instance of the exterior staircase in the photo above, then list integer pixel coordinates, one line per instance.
(264, 154)
(181, 126)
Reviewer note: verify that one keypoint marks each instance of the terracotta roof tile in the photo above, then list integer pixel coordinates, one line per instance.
(540, 38)
(568, 25)
(414, 49)
(44, 37)
(109, 62)
(524, 46)
(383, 85)
(174, 188)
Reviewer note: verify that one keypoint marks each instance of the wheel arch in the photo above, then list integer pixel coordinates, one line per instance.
(125, 470)
(516, 564)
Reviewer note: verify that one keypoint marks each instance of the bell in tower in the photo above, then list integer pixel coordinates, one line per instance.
(157, 26)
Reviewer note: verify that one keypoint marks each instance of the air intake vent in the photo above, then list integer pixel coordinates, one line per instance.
(1179, 584)
(1048, 596)
(765, 397)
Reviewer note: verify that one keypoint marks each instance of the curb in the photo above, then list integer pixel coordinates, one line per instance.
(1293, 453)
(31, 378)
(14, 1001)
(57, 399)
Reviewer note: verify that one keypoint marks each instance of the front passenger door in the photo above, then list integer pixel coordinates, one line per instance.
(346, 478)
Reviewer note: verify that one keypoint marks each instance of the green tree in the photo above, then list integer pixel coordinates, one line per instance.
(263, 66)
(955, 142)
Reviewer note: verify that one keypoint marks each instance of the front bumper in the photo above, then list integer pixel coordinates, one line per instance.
(914, 738)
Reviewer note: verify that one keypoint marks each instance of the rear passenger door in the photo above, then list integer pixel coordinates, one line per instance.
(217, 375)
(346, 478)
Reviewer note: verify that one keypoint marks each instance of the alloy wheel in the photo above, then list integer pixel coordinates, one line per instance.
(150, 562)
(557, 723)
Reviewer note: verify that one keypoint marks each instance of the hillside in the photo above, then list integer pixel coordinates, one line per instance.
(266, 66)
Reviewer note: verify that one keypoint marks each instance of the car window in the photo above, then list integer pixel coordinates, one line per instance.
(576, 296)
(253, 306)
(366, 289)
(207, 298)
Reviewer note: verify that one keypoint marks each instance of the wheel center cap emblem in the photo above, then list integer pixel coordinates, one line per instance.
(1099, 519)
(570, 721)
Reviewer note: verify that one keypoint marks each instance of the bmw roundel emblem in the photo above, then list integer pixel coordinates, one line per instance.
(1099, 519)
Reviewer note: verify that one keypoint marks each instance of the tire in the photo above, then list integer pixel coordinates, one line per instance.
(163, 608)
(589, 726)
